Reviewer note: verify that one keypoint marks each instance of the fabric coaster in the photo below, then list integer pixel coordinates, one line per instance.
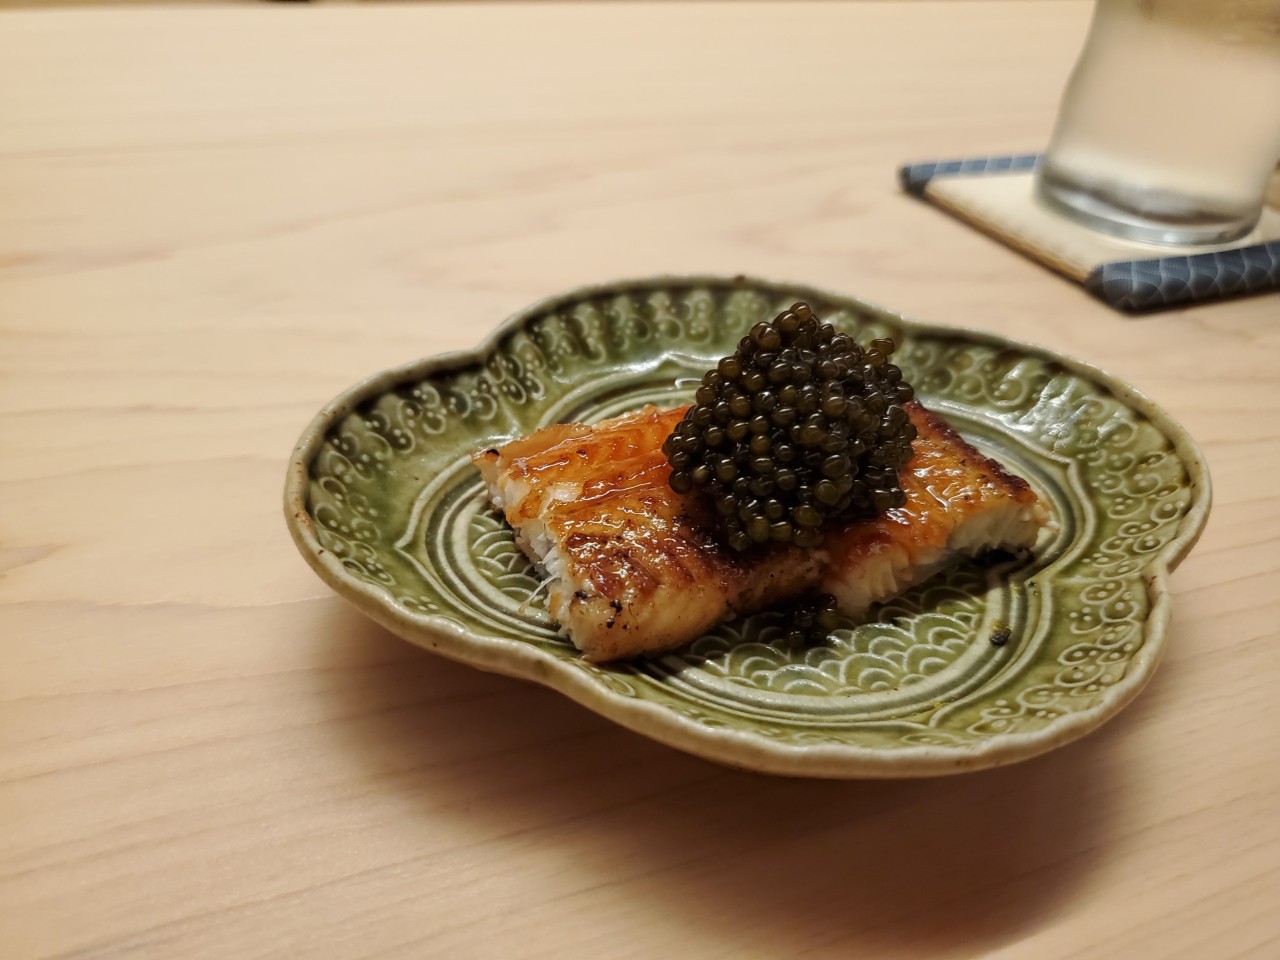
(997, 196)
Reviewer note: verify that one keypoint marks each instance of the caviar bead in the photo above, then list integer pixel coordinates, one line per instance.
(807, 515)
(812, 433)
(784, 415)
(835, 466)
(766, 401)
(826, 493)
(808, 537)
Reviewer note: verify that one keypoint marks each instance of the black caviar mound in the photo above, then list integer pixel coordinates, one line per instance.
(798, 427)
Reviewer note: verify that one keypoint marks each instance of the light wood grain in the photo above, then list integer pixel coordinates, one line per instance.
(212, 220)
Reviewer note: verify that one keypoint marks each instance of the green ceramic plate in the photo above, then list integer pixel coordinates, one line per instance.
(385, 505)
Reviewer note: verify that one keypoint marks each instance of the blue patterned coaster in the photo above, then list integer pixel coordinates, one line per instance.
(996, 195)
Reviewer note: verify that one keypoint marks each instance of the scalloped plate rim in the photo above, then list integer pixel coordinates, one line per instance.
(733, 747)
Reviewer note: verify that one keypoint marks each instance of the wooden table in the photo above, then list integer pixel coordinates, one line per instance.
(212, 220)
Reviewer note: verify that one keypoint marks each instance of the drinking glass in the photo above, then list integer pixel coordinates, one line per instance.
(1170, 124)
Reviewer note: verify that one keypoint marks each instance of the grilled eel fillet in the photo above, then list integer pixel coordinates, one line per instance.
(636, 568)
